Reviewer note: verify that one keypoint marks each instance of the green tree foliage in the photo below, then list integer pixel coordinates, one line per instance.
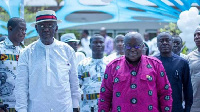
(58, 2)
(172, 28)
(4, 16)
(30, 13)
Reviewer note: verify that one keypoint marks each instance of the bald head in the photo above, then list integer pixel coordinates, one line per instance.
(119, 36)
(164, 34)
(133, 35)
(103, 32)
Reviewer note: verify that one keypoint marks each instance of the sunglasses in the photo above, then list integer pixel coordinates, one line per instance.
(135, 47)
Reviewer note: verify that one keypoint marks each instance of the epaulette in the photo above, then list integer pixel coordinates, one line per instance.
(116, 60)
(153, 58)
(1, 42)
(85, 61)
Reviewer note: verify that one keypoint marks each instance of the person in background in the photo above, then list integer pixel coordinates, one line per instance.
(47, 79)
(178, 73)
(145, 50)
(146, 37)
(118, 45)
(108, 42)
(194, 63)
(70, 39)
(10, 51)
(85, 42)
(177, 46)
(147, 41)
(91, 72)
(153, 46)
(135, 82)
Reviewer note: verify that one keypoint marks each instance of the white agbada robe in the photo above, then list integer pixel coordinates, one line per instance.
(47, 79)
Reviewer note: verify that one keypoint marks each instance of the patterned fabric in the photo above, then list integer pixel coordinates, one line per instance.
(11, 110)
(92, 96)
(141, 88)
(9, 55)
(91, 73)
(194, 63)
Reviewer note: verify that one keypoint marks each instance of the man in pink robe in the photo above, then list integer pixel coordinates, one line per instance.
(134, 82)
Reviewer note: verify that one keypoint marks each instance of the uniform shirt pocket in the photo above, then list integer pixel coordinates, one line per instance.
(63, 72)
(120, 82)
(147, 81)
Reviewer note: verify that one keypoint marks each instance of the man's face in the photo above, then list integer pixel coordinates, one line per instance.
(146, 37)
(74, 45)
(103, 33)
(46, 29)
(119, 42)
(97, 45)
(18, 33)
(133, 48)
(177, 45)
(83, 35)
(197, 38)
(164, 44)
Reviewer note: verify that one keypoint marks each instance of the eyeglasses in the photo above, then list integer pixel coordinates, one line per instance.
(135, 47)
(46, 26)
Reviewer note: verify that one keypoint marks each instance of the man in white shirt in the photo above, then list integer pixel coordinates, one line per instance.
(9, 52)
(85, 42)
(47, 78)
(108, 41)
(70, 39)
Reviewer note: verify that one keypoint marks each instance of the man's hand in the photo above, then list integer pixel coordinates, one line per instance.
(76, 110)
(1, 110)
(3, 107)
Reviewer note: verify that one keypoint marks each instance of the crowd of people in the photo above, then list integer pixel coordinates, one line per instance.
(103, 75)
